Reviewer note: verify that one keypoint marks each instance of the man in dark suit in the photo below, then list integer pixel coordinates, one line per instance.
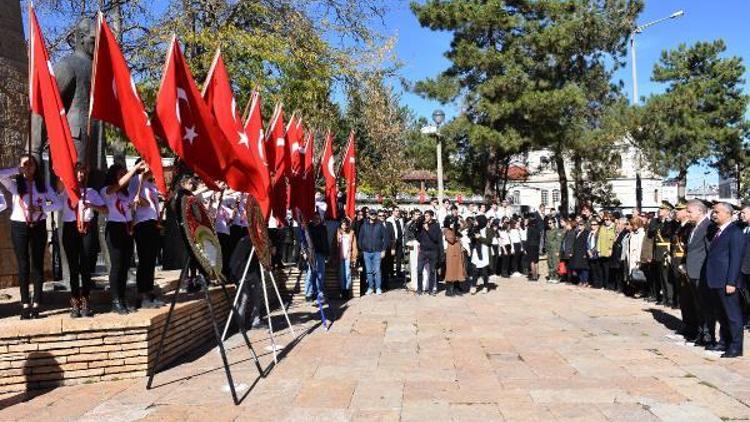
(745, 216)
(723, 277)
(397, 250)
(386, 265)
(695, 266)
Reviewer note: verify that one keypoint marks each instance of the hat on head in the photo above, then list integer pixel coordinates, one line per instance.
(681, 204)
(665, 205)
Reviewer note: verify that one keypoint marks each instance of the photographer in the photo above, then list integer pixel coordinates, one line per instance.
(430, 244)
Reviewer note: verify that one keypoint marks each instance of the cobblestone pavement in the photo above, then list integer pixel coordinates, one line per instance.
(525, 351)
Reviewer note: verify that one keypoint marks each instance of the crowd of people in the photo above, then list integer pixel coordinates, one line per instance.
(690, 256)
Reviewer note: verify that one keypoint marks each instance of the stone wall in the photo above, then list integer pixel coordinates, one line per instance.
(58, 350)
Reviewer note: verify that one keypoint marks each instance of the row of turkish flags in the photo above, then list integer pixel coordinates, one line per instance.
(202, 127)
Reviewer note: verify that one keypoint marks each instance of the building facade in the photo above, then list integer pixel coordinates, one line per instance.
(533, 180)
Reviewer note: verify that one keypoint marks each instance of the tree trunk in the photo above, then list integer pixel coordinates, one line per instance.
(578, 182)
(681, 182)
(490, 182)
(563, 179)
(504, 191)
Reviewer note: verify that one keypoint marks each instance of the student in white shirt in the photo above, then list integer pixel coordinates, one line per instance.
(119, 230)
(32, 200)
(78, 239)
(146, 233)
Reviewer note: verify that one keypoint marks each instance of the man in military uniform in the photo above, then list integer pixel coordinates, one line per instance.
(678, 248)
(660, 230)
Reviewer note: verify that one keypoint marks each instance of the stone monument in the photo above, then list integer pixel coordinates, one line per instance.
(14, 115)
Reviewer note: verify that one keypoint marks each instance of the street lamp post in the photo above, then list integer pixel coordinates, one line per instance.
(634, 99)
(438, 116)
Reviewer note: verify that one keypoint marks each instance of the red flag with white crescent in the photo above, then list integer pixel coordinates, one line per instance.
(276, 159)
(115, 100)
(246, 173)
(45, 100)
(329, 175)
(254, 131)
(186, 122)
(349, 172)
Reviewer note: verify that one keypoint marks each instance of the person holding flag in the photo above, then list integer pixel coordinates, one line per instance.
(119, 230)
(79, 239)
(32, 200)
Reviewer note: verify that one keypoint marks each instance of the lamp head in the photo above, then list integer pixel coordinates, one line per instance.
(677, 14)
(438, 116)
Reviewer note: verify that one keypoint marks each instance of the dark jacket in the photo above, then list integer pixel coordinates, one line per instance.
(580, 260)
(431, 239)
(566, 247)
(372, 237)
(319, 236)
(697, 248)
(535, 232)
(724, 259)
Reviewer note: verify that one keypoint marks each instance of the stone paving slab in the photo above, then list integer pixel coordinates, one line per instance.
(524, 352)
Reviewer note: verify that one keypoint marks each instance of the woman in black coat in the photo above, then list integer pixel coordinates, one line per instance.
(579, 262)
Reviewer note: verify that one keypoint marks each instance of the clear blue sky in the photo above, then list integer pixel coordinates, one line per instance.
(421, 50)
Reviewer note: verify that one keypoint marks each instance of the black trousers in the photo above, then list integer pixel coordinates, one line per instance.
(120, 246)
(78, 250)
(709, 308)
(147, 236)
(477, 273)
(386, 269)
(28, 245)
(225, 243)
(667, 284)
(505, 260)
(517, 259)
(398, 260)
(427, 259)
(688, 307)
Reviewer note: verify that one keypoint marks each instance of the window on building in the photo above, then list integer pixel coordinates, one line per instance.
(656, 196)
(545, 197)
(516, 196)
(555, 196)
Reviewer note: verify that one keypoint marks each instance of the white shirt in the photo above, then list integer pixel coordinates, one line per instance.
(3, 205)
(504, 238)
(692, 232)
(485, 259)
(238, 204)
(221, 211)
(149, 192)
(515, 236)
(321, 207)
(346, 244)
(119, 205)
(90, 197)
(48, 201)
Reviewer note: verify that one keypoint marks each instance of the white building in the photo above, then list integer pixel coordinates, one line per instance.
(533, 180)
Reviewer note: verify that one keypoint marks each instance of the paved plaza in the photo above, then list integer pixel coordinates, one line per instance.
(525, 351)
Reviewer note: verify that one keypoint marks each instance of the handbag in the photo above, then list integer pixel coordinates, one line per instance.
(562, 269)
(637, 276)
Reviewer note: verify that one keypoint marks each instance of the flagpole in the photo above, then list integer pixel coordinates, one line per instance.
(30, 54)
(274, 118)
(210, 73)
(99, 19)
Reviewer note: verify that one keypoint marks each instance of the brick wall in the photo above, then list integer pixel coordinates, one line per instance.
(58, 350)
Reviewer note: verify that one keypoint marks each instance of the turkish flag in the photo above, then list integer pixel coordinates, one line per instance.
(307, 181)
(185, 121)
(294, 145)
(349, 172)
(254, 131)
(326, 167)
(44, 100)
(115, 100)
(276, 158)
(246, 173)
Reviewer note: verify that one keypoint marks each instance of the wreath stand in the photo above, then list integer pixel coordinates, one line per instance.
(241, 286)
(219, 339)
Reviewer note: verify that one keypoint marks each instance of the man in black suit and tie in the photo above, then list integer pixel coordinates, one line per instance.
(724, 278)
(398, 245)
(695, 265)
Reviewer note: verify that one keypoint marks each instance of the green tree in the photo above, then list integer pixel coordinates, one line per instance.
(530, 74)
(700, 116)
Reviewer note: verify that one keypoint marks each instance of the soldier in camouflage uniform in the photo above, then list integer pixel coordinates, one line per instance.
(552, 242)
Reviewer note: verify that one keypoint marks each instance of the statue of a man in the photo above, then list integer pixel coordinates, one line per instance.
(73, 74)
